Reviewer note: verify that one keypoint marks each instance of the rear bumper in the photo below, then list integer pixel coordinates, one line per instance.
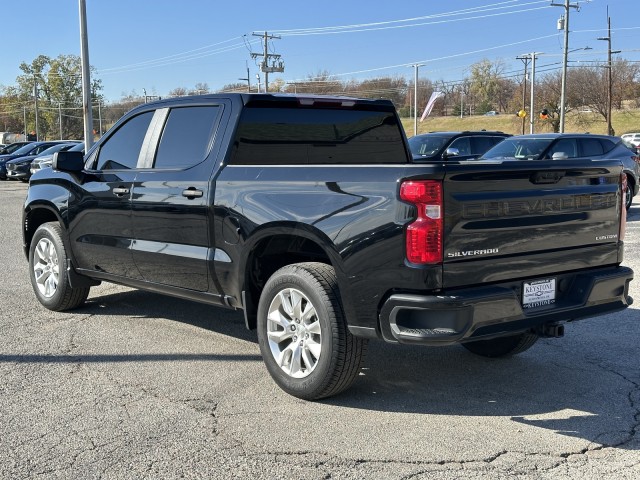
(485, 312)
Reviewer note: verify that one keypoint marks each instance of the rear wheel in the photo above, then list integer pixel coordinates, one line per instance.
(303, 335)
(502, 346)
(47, 271)
(629, 193)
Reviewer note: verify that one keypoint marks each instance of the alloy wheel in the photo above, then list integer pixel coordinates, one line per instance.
(46, 270)
(294, 333)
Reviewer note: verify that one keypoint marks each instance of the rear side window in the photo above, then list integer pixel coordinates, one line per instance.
(121, 150)
(591, 147)
(300, 136)
(607, 145)
(482, 143)
(186, 137)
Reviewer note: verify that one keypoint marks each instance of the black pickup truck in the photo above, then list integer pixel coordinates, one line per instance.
(310, 215)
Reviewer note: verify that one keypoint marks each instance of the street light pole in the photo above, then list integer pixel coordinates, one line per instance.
(86, 79)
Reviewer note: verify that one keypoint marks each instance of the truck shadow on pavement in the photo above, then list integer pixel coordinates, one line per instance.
(586, 385)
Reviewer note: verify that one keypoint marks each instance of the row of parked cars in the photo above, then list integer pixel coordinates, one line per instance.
(18, 161)
(499, 146)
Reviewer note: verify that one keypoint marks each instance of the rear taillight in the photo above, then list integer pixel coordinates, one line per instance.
(424, 234)
(623, 210)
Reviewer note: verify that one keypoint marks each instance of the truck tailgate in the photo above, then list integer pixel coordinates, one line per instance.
(538, 217)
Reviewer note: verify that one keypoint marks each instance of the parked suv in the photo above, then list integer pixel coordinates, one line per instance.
(456, 145)
(563, 146)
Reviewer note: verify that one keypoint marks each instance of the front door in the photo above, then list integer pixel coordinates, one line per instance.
(102, 233)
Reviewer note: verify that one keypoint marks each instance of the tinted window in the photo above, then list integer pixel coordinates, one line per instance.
(591, 147)
(482, 143)
(568, 146)
(518, 147)
(315, 136)
(607, 145)
(462, 144)
(185, 139)
(121, 150)
(427, 145)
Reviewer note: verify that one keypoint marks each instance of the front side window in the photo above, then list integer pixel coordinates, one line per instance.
(427, 145)
(121, 150)
(463, 145)
(519, 148)
(186, 137)
(566, 146)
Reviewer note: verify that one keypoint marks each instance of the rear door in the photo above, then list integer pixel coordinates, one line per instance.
(171, 198)
(503, 221)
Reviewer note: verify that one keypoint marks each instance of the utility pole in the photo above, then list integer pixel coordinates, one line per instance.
(24, 117)
(100, 117)
(86, 78)
(60, 118)
(564, 21)
(609, 74)
(415, 66)
(247, 80)
(533, 87)
(35, 97)
(266, 66)
(525, 59)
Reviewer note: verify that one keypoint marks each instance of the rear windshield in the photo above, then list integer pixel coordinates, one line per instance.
(302, 136)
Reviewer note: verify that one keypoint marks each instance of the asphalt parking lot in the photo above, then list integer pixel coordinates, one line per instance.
(140, 386)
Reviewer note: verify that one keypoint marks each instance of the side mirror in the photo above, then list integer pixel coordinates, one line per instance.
(68, 161)
(452, 152)
(559, 156)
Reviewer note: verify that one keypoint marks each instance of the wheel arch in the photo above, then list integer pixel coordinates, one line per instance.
(36, 215)
(274, 247)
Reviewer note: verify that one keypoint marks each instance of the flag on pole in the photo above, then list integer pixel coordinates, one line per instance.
(427, 110)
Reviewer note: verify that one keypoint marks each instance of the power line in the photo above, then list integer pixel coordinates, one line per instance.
(393, 23)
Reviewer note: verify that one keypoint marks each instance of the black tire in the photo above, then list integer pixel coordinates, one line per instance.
(48, 260)
(340, 354)
(629, 193)
(502, 346)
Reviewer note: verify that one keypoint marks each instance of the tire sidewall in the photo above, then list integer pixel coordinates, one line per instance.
(49, 232)
(316, 381)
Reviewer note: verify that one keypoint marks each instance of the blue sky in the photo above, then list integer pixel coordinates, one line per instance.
(158, 45)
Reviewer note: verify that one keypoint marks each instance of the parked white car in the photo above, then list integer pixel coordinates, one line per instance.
(633, 138)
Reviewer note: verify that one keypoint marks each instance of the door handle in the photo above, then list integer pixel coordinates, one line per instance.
(192, 193)
(120, 191)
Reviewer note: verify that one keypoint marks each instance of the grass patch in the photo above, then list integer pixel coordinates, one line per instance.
(623, 121)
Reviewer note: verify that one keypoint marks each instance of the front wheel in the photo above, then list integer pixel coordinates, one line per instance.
(303, 335)
(47, 262)
(502, 346)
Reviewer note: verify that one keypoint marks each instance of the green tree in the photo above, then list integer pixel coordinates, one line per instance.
(486, 84)
(57, 83)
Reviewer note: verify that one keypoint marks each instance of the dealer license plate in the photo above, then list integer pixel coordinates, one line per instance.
(538, 293)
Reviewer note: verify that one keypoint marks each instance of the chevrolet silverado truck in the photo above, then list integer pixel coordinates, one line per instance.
(310, 215)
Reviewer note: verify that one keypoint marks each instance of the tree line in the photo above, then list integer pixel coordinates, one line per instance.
(57, 86)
